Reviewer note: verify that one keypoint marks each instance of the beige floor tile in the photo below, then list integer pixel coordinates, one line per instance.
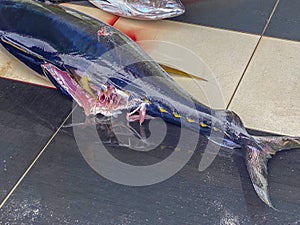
(269, 98)
(217, 55)
(12, 68)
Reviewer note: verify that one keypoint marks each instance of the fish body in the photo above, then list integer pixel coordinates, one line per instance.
(142, 9)
(106, 73)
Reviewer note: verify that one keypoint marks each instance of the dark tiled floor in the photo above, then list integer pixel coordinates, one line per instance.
(29, 115)
(285, 22)
(248, 16)
(62, 188)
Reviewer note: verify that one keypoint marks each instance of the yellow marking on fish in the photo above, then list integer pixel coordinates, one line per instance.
(190, 120)
(215, 129)
(203, 124)
(163, 147)
(162, 110)
(175, 71)
(147, 100)
(176, 115)
(84, 81)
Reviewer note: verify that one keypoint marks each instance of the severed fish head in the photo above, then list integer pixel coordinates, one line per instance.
(142, 9)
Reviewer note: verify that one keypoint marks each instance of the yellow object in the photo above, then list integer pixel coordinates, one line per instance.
(175, 71)
(203, 124)
(147, 100)
(215, 129)
(176, 115)
(85, 85)
(190, 120)
(162, 110)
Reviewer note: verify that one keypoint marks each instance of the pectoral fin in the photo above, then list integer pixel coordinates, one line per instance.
(7, 41)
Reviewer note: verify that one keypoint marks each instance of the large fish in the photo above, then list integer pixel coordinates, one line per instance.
(137, 9)
(106, 73)
(142, 9)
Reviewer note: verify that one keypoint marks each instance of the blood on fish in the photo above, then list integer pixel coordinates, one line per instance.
(132, 36)
(114, 20)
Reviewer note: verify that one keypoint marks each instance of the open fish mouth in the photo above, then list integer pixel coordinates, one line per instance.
(142, 9)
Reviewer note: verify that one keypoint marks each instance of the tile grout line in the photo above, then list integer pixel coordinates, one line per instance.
(35, 160)
(253, 53)
(270, 17)
(249, 206)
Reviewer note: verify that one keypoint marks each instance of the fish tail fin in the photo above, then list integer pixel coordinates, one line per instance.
(258, 151)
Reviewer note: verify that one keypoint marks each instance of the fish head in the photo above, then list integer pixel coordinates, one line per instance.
(142, 9)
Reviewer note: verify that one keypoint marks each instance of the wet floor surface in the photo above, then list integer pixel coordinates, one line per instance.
(49, 175)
